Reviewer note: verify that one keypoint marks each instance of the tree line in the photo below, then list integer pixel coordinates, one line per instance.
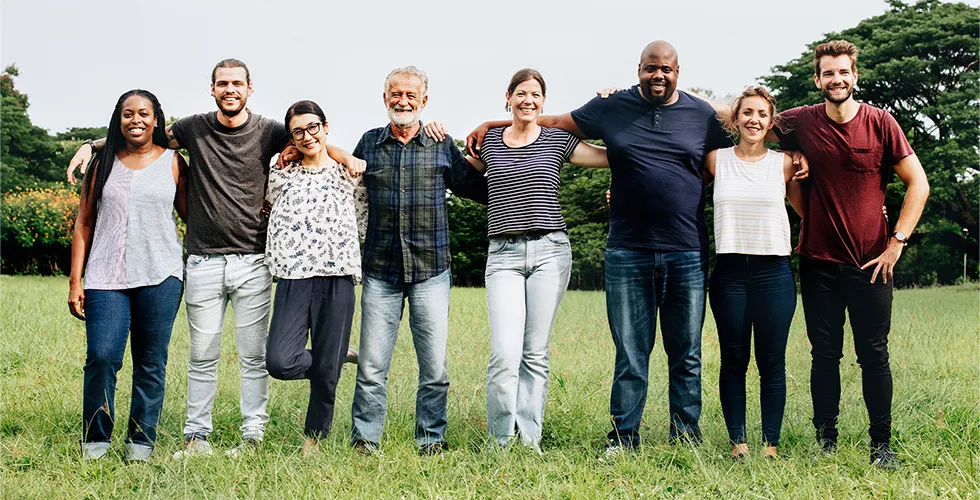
(918, 61)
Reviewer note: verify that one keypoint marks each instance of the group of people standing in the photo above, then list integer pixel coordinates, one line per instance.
(662, 146)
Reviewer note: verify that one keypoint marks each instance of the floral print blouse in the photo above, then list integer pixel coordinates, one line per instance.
(317, 214)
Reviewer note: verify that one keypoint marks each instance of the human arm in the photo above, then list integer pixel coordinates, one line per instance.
(360, 206)
(794, 190)
(180, 176)
(355, 166)
(910, 171)
(589, 155)
(81, 243)
(463, 178)
(474, 141)
(708, 169)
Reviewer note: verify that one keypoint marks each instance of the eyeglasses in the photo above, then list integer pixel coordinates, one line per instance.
(313, 129)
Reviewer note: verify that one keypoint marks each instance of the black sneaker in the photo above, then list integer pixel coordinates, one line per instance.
(884, 458)
(828, 449)
(436, 448)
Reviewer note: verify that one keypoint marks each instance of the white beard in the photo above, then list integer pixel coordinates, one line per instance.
(402, 119)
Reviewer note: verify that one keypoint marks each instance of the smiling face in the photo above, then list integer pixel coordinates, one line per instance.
(312, 133)
(526, 101)
(836, 78)
(137, 120)
(753, 118)
(231, 89)
(657, 72)
(405, 100)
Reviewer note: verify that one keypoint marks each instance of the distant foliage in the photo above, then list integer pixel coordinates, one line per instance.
(36, 229)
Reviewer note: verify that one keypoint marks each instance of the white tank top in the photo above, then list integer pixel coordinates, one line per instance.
(750, 214)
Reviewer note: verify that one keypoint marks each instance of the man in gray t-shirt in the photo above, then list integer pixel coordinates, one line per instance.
(230, 151)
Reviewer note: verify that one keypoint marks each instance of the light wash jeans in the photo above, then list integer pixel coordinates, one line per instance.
(213, 281)
(526, 278)
(382, 303)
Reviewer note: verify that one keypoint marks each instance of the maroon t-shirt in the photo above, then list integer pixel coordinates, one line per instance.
(850, 166)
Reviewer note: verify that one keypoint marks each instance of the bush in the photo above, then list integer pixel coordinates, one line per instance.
(36, 229)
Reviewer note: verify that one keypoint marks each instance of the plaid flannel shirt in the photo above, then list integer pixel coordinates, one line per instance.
(408, 234)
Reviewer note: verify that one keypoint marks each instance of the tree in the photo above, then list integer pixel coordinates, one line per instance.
(27, 152)
(918, 62)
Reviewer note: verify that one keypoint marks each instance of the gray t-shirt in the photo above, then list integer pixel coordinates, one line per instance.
(226, 183)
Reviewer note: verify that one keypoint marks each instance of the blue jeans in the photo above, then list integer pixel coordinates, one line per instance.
(640, 283)
(110, 315)
(382, 303)
(753, 292)
(526, 279)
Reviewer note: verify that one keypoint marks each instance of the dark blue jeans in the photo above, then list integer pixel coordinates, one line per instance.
(110, 316)
(753, 292)
(640, 283)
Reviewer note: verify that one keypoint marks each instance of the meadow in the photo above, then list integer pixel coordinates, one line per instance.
(934, 355)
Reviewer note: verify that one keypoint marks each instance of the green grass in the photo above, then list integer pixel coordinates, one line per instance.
(934, 353)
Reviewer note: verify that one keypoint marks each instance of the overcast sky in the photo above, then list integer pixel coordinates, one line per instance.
(76, 58)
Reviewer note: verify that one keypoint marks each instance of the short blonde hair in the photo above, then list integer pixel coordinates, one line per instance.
(835, 48)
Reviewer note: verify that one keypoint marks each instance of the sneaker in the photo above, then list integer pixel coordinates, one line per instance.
(247, 447)
(351, 356)
(436, 448)
(613, 450)
(365, 448)
(828, 449)
(195, 447)
(884, 458)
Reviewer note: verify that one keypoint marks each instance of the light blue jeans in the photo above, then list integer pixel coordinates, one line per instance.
(213, 281)
(382, 304)
(526, 278)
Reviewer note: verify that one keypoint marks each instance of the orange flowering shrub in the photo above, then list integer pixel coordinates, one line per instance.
(36, 229)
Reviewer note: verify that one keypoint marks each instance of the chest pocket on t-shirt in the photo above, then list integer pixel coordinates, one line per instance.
(865, 159)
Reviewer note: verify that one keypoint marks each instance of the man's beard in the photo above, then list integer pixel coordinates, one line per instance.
(827, 95)
(658, 100)
(401, 119)
(231, 113)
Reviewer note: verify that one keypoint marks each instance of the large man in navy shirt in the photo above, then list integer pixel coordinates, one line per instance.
(656, 254)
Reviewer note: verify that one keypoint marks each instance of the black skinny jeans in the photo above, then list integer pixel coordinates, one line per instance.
(321, 307)
(753, 292)
(828, 289)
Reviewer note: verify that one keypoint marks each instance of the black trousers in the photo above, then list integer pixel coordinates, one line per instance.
(828, 289)
(321, 307)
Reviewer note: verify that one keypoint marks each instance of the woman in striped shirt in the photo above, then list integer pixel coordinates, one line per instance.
(752, 286)
(529, 259)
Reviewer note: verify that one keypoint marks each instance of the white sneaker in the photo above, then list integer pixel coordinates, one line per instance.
(247, 447)
(194, 448)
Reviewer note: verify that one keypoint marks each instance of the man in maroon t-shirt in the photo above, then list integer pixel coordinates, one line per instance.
(847, 252)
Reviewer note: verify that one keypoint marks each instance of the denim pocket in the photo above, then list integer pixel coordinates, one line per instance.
(497, 245)
(557, 238)
(194, 260)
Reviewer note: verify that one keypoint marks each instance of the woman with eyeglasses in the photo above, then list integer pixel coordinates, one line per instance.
(312, 247)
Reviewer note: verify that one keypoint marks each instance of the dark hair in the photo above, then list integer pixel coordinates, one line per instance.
(230, 63)
(304, 107)
(835, 48)
(523, 76)
(114, 142)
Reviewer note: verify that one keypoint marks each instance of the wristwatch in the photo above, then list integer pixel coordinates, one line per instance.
(901, 237)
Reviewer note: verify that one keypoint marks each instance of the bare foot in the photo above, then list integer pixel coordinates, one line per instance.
(769, 452)
(739, 450)
(310, 446)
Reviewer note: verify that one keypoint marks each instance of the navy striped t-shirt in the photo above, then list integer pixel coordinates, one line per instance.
(523, 181)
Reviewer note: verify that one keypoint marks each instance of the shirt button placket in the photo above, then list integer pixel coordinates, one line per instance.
(403, 214)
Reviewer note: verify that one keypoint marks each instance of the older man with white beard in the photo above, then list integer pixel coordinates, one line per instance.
(406, 255)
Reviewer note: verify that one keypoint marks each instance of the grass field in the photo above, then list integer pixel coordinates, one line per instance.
(934, 353)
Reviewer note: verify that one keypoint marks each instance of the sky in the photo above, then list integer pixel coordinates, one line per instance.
(76, 58)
